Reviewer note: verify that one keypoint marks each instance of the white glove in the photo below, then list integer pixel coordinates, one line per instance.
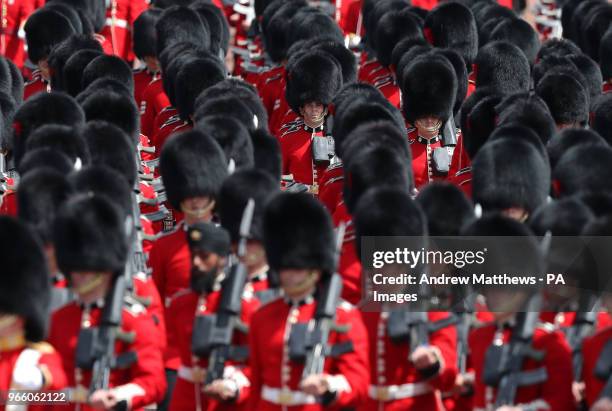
(26, 374)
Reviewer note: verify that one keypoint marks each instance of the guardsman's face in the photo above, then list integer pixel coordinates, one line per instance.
(296, 282)
(10, 324)
(205, 261)
(90, 284)
(313, 113)
(428, 123)
(504, 302)
(197, 209)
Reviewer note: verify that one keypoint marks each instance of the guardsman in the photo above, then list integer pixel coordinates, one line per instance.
(26, 361)
(40, 196)
(500, 185)
(44, 29)
(354, 105)
(453, 26)
(118, 27)
(193, 168)
(42, 109)
(393, 26)
(210, 247)
(307, 149)
(566, 98)
(367, 163)
(429, 89)
(144, 49)
(14, 16)
(92, 250)
(233, 197)
(402, 377)
(549, 362)
(175, 25)
(299, 243)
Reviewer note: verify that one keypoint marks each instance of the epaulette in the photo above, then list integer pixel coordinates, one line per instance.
(292, 127)
(273, 78)
(384, 82)
(167, 108)
(376, 70)
(176, 295)
(133, 307)
(42, 347)
(334, 166)
(548, 327)
(36, 76)
(346, 306)
(463, 171)
(333, 180)
(172, 120)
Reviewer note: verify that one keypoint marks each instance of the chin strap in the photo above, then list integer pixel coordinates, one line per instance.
(198, 213)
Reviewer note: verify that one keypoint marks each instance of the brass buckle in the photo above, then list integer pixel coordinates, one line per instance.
(382, 393)
(285, 397)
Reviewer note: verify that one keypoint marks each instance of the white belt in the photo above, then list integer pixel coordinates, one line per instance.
(187, 373)
(286, 397)
(121, 23)
(398, 392)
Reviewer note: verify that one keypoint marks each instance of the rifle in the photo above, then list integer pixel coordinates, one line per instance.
(504, 363)
(96, 345)
(213, 333)
(309, 342)
(464, 316)
(583, 326)
(413, 326)
(603, 370)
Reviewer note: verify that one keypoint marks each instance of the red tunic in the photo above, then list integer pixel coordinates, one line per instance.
(120, 17)
(272, 369)
(591, 351)
(460, 172)
(14, 15)
(269, 85)
(170, 263)
(384, 80)
(166, 129)
(349, 266)
(142, 78)
(368, 68)
(332, 183)
(348, 16)
(49, 362)
(607, 87)
(553, 394)
(566, 319)
(154, 99)
(144, 287)
(181, 313)
(143, 383)
(393, 368)
(296, 151)
(8, 205)
(422, 158)
(37, 85)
